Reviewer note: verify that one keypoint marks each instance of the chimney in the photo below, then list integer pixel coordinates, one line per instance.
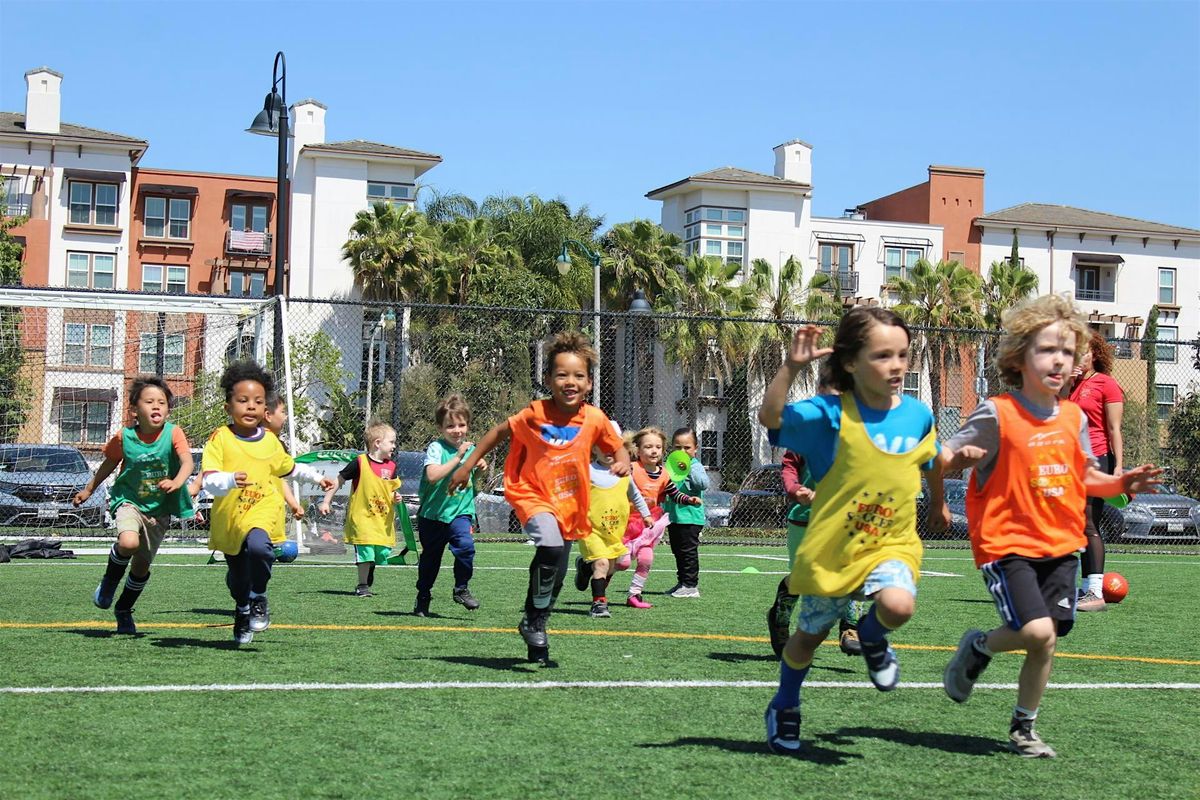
(308, 125)
(43, 100)
(793, 161)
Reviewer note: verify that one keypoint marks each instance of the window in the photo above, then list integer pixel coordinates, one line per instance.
(691, 232)
(170, 218)
(172, 354)
(688, 249)
(152, 279)
(397, 194)
(710, 448)
(735, 230)
(93, 203)
(734, 251)
(734, 215)
(87, 345)
(1166, 286)
(90, 270)
(898, 260)
(691, 216)
(712, 248)
(244, 217)
(836, 258)
(713, 230)
(912, 385)
(16, 204)
(714, 214)
(83, 422)
(1164, 399)
(246, 284)
(1166, 352)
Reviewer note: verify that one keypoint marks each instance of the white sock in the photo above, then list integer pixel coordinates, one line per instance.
(1094, 584)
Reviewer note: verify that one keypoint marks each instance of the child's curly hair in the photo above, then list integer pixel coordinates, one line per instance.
(145, 382)
(1022, 323)
(572, 342)
(240, 371)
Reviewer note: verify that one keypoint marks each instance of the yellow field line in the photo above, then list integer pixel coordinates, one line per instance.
(712, 637)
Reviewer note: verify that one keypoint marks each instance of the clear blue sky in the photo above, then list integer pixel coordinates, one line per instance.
(1087, 104)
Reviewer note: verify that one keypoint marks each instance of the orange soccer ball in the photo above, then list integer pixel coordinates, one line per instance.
(1115, 587)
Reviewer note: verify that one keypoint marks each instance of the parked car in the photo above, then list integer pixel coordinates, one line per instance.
(956, 501)
(38, 482)
(717, 508)
(760, 501)
(1163, 517)
(409, 464)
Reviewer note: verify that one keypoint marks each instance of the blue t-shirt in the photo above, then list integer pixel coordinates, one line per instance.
(810, 428)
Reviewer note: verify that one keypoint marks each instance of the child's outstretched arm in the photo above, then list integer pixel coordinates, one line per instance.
(621, 464)
(102, 472)
(1139, 480)
(802, 352)
(311, 475)
(498, 434)
(292, 502)
(328, 498)
(939, 512)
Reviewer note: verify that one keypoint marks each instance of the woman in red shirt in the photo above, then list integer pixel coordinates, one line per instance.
(1103, 402)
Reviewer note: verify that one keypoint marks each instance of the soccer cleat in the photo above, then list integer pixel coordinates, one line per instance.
(848, 642)
(533, 630)
(636, 601)
(686, 591)
(583, 574)
(260, 614)
(882, 666)
(599, 609)
(362, 590)
(964, 668)
(103, 596)
(1025, 742)
(674, 589)
(783, 730)
(421, 609)
(1091, 602)
(464, 597)
(125, 623)
(241, 628)
(779, 618)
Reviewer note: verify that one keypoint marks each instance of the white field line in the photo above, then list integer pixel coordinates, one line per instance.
(537, 685)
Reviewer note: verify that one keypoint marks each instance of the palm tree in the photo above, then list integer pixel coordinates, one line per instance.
(712, 342)
(466, 248)
(942, 296)
(448, 207)
(390, 252)
(1007, 284)
(639, 255)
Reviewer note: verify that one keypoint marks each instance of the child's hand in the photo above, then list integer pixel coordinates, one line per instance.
(694, 501)
(168, 485)
(939, 518)
(324, 509)
(241, 479)
(327, 484)
(297, 511)
(804, 348)
(967, 457)
(648, 522)
(1141, 480)
(619, 469)
(482, 466)
(458, 480)
(804, 496)
(81, 497)
(397, 498)
(464, 447)
(199, 518)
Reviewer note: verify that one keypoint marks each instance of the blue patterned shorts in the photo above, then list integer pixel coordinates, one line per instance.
(817, 614)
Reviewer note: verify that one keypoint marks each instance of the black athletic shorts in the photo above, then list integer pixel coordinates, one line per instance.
(1026, 589)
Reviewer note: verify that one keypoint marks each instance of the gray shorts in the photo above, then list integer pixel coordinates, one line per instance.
(150, 530)
(543, 529)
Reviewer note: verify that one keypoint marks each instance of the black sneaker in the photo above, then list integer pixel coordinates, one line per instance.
(464, 597)
(779, 617)
(362, 590)
(583, 574)
(965, 667)
(125, 623)
(241, 628)
(882, 666)
(599, 609)
(783, 730)
(103, 596)
(260, 615)
(533, 630)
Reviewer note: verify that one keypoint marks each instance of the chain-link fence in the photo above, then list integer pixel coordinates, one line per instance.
(67, 359)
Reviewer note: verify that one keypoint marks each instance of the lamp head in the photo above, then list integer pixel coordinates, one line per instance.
(639, 304)
(564, 261)
(266, 123)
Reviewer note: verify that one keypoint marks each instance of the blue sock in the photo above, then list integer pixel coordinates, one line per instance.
(790, 681)
(870, 629)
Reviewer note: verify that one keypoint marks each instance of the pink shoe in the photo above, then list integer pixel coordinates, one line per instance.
(636, 601)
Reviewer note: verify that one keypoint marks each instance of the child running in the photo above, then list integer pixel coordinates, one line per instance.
(687, 518)
(864, 448)
(155, 463)
(546, 475)
(655, 486)
(241, 465)
(444, 518)
(1032, 473)
(609, 509)
(371, 514)
(274, 420)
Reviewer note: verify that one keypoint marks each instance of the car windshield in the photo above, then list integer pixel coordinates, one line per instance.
(41, 459)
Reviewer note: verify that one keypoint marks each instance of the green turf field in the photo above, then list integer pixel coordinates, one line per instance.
(513, 736)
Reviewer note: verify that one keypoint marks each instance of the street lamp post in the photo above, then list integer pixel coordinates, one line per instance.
(638, 309)
(273, 121)
(564, 266)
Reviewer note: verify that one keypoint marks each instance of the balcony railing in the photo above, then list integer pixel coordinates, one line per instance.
(1096, 295)
(247, 243)
(846, 282)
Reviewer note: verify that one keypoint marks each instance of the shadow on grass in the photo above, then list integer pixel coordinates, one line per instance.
(810, 752)
(946, 742)
(211, 612)
(428, 615)
(334, 592)
(743, 658)
(498, 664)
(970, 600)
(207, 644)
(98, 633)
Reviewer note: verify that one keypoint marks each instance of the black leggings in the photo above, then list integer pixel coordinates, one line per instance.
(1092, 562)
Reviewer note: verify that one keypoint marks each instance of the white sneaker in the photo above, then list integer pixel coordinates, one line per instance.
(685, 591)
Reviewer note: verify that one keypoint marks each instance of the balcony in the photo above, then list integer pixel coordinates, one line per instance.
(247, 243)
(845, 282)
(1096, 295)
(1123, 349)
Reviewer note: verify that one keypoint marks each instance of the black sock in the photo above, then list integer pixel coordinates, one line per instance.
(116, 566)
(133, 590)
(599, 586)
(371, 575)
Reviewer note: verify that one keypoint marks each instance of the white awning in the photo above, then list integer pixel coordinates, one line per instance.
(835, 236)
